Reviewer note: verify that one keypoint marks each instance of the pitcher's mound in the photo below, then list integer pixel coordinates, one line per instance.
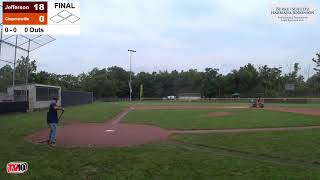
(102, 135)
(219, 114)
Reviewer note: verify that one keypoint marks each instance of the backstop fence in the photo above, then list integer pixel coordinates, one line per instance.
(10, 107)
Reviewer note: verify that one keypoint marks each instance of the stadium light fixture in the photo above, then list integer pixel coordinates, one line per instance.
(130, 86)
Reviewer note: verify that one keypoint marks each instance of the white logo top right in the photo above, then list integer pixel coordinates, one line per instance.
(292, 13)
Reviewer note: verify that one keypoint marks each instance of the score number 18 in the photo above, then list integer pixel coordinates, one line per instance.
(40, 7)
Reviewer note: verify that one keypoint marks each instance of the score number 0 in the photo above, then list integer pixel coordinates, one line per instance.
(39, 7)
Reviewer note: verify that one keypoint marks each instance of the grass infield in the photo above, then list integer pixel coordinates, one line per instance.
(198, 119)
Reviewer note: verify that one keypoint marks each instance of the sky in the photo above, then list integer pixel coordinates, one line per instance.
(182, 34)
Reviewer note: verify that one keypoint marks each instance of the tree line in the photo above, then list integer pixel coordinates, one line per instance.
(112, 82)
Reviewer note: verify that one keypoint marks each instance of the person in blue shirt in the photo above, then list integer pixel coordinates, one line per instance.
(52, 120)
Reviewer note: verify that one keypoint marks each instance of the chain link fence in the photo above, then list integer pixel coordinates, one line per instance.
(70, 98)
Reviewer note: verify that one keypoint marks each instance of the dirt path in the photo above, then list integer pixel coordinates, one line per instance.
(109, 134)
(114, 133)
(244, 130)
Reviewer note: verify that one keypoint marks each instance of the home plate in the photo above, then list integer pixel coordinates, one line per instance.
(109, 130)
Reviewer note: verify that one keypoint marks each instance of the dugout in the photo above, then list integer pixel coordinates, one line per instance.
(38, 96)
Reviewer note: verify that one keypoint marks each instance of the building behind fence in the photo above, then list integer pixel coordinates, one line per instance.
(30, 97)
(189, 96)
(38, 96)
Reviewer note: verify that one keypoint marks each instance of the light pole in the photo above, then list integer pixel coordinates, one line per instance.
(130, 87)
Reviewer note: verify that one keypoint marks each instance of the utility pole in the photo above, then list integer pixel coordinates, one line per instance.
(130, 86)
(27, 71)
(14, 64)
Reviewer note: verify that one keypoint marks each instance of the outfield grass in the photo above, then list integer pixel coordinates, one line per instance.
(296, 145)
(185, 103)
(198, 119)
(97, 112)
(207, 103)
(154, 161)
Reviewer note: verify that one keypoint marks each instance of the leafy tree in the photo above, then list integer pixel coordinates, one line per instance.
(22, 66)
(148, 83)
(314, 82)
(113, 81)
(294, 77)
(270, 80)
(248, 78)
(25, 68)
(119, 78)
(210, 83)
(5, 77)
(317, 61)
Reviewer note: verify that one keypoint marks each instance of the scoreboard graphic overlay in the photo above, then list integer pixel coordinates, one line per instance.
(41, 17)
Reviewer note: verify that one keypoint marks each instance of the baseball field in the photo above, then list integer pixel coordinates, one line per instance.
(167, 140)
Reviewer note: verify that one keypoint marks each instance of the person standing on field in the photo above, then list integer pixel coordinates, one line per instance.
(52, 120)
